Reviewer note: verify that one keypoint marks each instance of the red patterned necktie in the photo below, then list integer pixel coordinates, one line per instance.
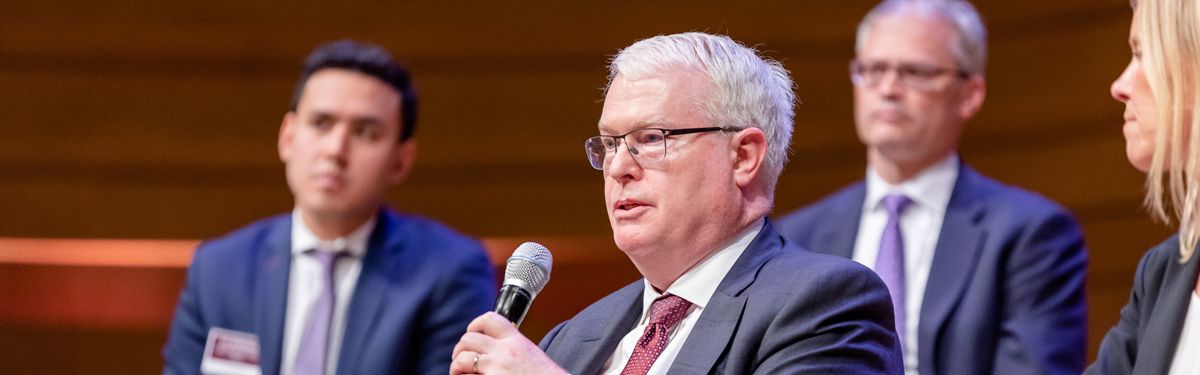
(665, 312)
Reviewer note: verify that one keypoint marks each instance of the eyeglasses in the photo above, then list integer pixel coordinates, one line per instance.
(647, 146)
(911, 75)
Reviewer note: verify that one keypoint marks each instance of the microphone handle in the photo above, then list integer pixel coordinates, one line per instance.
(513, 303)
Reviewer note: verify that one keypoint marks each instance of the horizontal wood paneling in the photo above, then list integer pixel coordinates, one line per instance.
(66, 301)
(157, 120)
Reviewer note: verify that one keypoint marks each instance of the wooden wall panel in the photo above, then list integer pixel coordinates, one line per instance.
(139, 119)
(103, 306)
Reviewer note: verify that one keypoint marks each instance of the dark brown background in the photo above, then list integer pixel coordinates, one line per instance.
(157, 120)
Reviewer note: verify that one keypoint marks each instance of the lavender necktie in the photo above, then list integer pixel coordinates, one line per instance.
(890, 264)
(310, 358)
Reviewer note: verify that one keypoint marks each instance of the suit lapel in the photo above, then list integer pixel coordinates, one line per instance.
(842, 230)
(1161, 336)
(711, 335)
(715, 328)
(595, 333)
(954, 259)
(378, 262)
(274, 260)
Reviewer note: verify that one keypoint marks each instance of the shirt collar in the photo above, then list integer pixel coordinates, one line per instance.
(354, 244)
(931, 188)
(698, 284)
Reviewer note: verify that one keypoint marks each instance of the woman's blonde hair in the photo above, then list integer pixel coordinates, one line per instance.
(1169, 40)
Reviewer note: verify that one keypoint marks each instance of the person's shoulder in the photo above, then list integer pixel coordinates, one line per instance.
(604, 309)
(802, 259)
(240, 241)
(1012, 200)
(418, 230)
(430, 242)
(1033, 225)
(620, 298)
(1159, 259)
(610, 305)
(807, 292)
(231, 258)
(846, 198)
(795, 266)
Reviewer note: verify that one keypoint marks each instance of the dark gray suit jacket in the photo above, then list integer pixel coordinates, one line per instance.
(1005, 291)
(779, 310)
(1144, 340)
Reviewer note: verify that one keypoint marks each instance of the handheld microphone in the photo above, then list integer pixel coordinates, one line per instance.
(527, 272)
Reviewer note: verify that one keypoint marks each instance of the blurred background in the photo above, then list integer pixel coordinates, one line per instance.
(157, 120)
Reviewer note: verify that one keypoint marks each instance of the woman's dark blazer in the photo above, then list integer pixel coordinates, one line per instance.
(1144, 341)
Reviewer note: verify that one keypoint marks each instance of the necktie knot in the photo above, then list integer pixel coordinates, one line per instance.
(328, 259)
(896, 203)
(665, 312)
(668, 310)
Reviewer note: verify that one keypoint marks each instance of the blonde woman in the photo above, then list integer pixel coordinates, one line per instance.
(1159, 330)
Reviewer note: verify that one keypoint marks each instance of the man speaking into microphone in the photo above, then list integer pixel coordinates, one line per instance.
(693, 136)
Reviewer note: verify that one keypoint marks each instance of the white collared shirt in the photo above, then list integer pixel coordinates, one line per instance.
(1186, 362)
(920, 226)
(697, 285)
(305, 283)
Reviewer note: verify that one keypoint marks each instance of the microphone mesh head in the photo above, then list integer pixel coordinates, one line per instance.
(529, 267)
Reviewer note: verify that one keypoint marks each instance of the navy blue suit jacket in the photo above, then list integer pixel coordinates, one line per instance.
(779, 310)
(1005, 293)
(1145, 339)
(421, 284)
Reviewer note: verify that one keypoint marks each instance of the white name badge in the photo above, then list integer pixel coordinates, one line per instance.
(230, 353)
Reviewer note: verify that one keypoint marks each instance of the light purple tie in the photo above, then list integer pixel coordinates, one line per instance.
(310, 358)
(890, 264)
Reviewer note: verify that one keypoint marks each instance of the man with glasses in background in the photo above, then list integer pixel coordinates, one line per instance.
(985, 278)
(694, 134)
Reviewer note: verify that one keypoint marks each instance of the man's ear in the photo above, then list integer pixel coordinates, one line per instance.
(749, 152)
(974, 90)
(287, 133)
(403, 157)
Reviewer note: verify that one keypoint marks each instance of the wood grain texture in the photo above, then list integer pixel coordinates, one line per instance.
(157, 120)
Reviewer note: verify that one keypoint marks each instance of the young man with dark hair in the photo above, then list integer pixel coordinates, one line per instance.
(343, 284)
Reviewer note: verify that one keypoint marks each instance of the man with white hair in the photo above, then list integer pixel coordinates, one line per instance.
(985, 278)
(694, 134)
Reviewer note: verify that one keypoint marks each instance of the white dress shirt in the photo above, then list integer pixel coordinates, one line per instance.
(305, 282)
(697, 285)
(1186, 361)
(920, 226)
